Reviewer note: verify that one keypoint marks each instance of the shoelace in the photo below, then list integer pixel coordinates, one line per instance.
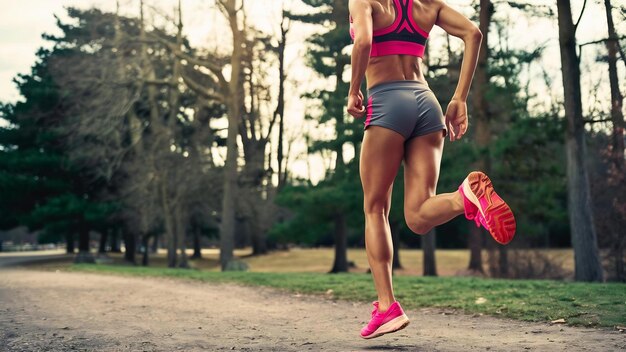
(375, 310)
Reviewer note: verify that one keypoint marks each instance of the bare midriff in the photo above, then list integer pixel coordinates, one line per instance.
(388, 68)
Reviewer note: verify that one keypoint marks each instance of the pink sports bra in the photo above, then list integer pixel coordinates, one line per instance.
(403, 37)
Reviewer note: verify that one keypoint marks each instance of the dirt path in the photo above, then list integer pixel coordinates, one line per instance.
(48, 311)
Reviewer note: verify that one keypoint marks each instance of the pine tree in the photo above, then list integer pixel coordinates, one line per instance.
(328, 58)
(40, 188)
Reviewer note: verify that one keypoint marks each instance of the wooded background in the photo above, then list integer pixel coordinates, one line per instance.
(127, 132)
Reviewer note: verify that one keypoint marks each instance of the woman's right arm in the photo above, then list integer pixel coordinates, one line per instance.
(361, 13)
(455, 24)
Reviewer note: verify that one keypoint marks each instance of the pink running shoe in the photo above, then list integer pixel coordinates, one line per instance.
(486, 208)
(390, 321)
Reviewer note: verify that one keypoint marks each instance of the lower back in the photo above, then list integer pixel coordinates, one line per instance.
(388, 68)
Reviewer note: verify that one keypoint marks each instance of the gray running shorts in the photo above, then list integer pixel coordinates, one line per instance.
(407, 107)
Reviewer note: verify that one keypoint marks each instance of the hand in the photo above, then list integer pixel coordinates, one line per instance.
(456, 119)
(355, 105)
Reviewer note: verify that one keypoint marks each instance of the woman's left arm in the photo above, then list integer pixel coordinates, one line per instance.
(459, 26)
(361, 13)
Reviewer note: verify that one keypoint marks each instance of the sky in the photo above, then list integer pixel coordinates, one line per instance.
(23, 22)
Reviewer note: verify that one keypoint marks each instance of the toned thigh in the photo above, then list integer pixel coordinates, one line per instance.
(381, 154)
(422, 159)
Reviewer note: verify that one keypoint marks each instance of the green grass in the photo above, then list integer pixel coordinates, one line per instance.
(530, 300)
(450, 262)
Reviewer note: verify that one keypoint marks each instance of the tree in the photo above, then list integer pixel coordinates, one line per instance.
(327, 58)
(233, 102)
(256, 201)
(30, 158)
(285, 25)
(152, 148)
(42, 187)
(482, 124)
(428, 248)
(204, 75)
(617, 178)
(93, 128)
(125, 145)
(322, 212)
(587, 260)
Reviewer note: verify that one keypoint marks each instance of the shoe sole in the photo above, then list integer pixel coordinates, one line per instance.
(497, 214)
(393, 325)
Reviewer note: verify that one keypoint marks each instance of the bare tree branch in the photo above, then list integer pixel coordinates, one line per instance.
(601, 41)
(580, 16)
(210, 63)
(198, 88)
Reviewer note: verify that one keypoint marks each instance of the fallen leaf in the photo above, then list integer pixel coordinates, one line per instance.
(558, 321)
(480, 300)
(330, 291)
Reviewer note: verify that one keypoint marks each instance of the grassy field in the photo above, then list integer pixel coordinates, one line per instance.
(530, 300)
(320, 260)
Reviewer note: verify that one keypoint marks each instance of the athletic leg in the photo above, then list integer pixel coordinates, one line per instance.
(424, 210)
(381, 155)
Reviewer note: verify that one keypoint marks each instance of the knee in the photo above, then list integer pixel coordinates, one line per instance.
(419, 228)
(375, 206)
(416, 223)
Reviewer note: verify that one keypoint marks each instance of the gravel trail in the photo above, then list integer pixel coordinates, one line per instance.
(70, 311)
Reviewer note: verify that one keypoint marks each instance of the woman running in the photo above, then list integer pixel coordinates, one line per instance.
(404, 122)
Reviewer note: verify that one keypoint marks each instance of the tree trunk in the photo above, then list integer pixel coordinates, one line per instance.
(498, 260)
(151, 76)
(83, 239)
(83, 255)
(234, 104)
(586, 257)
(475, 246)
(104, 235)
(255, 206)
(155, 244)
(341, 85)
(395, 239)
(69, 243)
(170, 225)
(492, 259)
(428, 249)
(617, 117)
(181, 235)
(482, 118)
(145, 255)
(259, 239)
(197, 247)
(280, 107)
(115, 241)
(170, 241)
(341, 245)
(617, 150)
(503, 262)
(131, 247)
(227, 230)
(617, 254)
